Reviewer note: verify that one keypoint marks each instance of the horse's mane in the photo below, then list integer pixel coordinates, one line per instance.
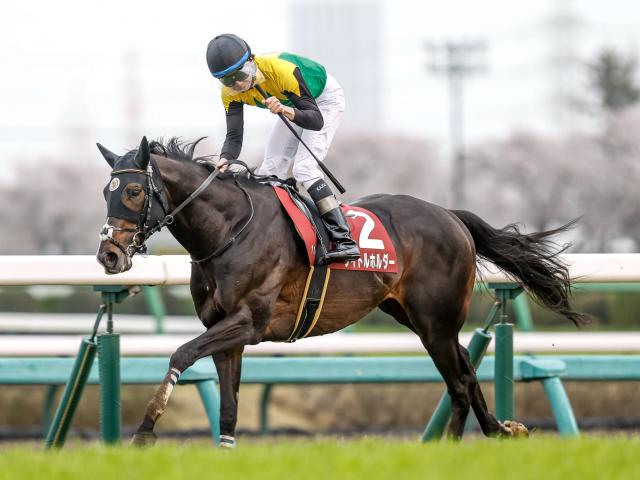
(177, 148)
(182, 150)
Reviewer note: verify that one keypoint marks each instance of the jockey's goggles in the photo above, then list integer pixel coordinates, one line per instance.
(248, 69)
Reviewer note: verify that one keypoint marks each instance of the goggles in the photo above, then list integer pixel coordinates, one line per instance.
(248, 69)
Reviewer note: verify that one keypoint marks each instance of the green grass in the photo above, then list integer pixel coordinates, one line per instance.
(541, 458)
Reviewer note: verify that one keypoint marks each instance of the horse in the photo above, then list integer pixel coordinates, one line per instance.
(249, 270)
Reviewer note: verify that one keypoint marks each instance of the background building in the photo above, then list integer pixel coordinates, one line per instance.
(345, 36)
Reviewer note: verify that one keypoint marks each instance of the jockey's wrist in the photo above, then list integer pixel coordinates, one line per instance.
(289, 112)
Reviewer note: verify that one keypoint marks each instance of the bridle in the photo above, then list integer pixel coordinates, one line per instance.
(146, 225)
(142, 231)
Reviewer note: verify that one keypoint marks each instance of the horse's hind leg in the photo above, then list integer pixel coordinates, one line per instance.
(488, 423)
(441, 341)
(444, 352)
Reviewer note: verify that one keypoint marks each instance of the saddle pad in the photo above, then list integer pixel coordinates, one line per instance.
(377, 252)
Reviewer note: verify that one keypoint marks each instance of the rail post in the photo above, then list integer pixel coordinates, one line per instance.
(109, 370)
(108, 346)
(63, 417)
(109, 365)
(503, 377)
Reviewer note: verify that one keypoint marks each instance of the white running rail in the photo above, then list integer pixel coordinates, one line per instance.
(176, 270)
(335, 343)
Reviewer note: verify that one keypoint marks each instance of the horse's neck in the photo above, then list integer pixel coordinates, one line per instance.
(205, 223)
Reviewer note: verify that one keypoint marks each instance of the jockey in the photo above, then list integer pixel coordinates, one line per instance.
(305, 94)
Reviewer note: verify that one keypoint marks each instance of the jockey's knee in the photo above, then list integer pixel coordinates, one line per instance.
(306, 175)
(307, 184)
(274, 165)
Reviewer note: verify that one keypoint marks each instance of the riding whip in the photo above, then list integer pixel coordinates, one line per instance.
(322, 166)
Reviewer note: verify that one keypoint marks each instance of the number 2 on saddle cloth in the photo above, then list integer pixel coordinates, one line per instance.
(377, 254)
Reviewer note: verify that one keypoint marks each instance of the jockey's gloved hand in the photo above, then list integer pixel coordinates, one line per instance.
(274, 106)
(233, 165)
(223, 164)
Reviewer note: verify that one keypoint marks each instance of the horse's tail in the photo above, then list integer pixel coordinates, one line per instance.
(530, 259)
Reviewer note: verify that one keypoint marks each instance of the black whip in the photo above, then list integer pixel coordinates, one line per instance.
(322, 166)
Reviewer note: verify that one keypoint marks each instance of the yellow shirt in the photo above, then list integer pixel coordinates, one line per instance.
(278, 78)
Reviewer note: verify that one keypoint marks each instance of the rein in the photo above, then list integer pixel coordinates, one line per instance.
(170, 217)
(219, 251)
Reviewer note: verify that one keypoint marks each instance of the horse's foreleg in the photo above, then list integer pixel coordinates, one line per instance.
(233, 332)
(144, 435)
(229, 365)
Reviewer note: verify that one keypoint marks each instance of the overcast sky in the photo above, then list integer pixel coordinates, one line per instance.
(65, 67)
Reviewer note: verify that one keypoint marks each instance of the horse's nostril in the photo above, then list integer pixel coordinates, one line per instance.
(109, 259)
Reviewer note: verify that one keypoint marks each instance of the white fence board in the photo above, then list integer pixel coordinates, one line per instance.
(336, 343)
(176, 270)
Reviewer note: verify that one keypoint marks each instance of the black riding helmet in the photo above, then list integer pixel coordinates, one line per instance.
(226, 53)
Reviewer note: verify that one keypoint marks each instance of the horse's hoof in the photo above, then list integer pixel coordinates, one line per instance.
(515, 429)
(143, 439)
(227, 442)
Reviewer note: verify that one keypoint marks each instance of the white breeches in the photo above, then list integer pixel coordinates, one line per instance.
(284, 151)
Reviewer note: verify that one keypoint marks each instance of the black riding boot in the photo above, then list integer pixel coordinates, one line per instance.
(344, 248)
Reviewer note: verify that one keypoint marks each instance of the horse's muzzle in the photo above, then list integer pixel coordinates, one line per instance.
(109, 260)
(113, 261)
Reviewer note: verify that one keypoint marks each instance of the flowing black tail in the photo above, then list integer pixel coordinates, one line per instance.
(530, 259)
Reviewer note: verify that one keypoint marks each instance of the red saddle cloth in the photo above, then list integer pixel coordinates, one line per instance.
(377, 253)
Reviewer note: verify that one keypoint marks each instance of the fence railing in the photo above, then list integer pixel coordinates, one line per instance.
(176, 269)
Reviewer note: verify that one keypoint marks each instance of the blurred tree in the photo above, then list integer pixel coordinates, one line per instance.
(612, 78)
(544, 182)
(623, 151)
(52, 208)
(368, 163)
(523, 179)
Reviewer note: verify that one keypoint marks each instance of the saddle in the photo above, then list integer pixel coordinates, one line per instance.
(308, 208)
(377, 251)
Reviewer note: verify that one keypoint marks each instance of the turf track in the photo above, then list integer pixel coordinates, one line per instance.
(541, 458)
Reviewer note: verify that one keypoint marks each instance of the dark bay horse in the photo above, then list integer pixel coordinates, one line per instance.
(249, 271)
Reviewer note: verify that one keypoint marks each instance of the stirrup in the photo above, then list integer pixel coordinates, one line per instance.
(336, 256)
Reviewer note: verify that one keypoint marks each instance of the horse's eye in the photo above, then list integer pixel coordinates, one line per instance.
(134, 192)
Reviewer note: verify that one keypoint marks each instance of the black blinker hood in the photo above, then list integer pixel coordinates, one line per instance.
(115, 207)
(114, 192)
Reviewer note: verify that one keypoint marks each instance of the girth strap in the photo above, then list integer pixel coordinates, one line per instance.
(312, 301)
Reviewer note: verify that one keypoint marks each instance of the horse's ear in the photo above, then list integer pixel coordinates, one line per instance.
(108, 155)
(143, 156)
